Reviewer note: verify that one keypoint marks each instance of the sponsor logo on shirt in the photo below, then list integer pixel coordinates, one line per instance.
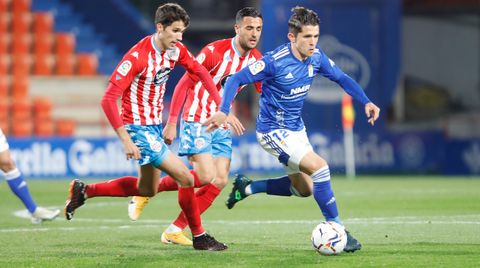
(124, 67)
(161, 76)
(256, 67)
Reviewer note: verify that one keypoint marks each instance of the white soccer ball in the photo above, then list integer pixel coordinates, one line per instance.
(329, 238)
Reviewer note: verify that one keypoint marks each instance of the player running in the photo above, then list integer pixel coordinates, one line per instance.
(140, 81)
(209, 152)
(19, 187)
(287, 74)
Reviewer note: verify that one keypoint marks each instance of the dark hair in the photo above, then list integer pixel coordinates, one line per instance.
(302, 16)
(247, 12)
(169, 13)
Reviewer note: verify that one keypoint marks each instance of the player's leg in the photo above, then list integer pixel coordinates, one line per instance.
(19, 186)
(173, 166)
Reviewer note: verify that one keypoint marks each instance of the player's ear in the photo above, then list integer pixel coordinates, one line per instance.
(159, 27)
(291, 37)
(237, 28)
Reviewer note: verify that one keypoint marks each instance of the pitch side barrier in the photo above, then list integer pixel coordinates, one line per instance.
(381, 153)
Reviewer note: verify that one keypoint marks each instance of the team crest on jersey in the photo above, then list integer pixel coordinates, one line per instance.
(199, 143)
(256, 67)
(124, 67)
(310, 70)
(162, 76)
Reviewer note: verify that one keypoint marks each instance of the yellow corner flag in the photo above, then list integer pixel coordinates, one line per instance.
(348, 113)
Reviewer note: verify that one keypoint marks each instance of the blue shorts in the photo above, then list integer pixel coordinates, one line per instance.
(194, 139)
(149, 141)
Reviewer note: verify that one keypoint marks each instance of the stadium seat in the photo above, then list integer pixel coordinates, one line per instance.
(43, 128)
(4, 65)
(43, 64)
(20, 87)
(43, 43)
(21, 43)
(4, 43)
(4, 22)
(87, 64)
(42, 23)
(3, 109)
(65, 127)
(64, 44)
(21, 23)
(4, 6)
(65, 65)
(21, 65)
(42, 108)
(5, 126)
(4, 88)
(21, 128)
(20, 6)
(21, 110)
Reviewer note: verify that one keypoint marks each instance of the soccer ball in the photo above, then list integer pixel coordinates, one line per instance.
(329, 238)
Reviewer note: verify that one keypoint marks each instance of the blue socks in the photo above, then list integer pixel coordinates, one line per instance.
(278, 186)
(15, 180)
(323, 194)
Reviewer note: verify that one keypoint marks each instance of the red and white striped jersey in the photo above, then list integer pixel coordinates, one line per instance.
(142, 74)
(221, 59)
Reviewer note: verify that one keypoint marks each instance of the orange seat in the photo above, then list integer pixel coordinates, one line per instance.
(87, 64)
(42, 108)
(21, 43)
(43, 64)
(44, 128)
(4, 21)
(42, 23)
(65, 127)
(20, 87)
(65, 65)
(4, 43)
(43, 43)
(5, 126)
(21, 128)
(4, 6)
(21, 65)
(20, 110)
(21, 23)
(64, 44)
(21, 6)
(4, 65)
(3, 109)
(4, 88)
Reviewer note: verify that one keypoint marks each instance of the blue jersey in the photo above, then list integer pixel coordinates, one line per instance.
(285, 83)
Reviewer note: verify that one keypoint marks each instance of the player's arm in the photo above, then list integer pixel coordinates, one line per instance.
(330, 70)
(257, 71)
(119, 81)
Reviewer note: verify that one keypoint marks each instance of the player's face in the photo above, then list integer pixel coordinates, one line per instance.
(169, 36)
(248, 32)
(306, 41)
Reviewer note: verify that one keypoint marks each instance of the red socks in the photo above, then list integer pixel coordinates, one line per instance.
(205, 197)
(188, 203)
(167, 183)
(124, 186)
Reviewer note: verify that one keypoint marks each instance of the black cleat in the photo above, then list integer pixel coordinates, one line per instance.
(352, 243)
(238, 191)
(207, 242)
(76, 198)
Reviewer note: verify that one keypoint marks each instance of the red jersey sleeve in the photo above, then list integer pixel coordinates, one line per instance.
(127, 69)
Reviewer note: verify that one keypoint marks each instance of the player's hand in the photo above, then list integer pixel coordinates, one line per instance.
(215, 121)
(131, 150)
(236, 125)
(372, 111)
(169, 133)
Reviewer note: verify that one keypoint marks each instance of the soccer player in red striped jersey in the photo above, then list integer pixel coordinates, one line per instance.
(140, 82)
(210, 153)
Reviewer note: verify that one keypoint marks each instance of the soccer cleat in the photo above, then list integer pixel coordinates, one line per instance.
(238, 191)
(135, 207)
(207, 242)
(178, 238)
(76, 198)
(352, 243)
(42, 214)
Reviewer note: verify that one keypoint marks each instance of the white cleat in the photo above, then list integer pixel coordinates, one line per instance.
(43, 214)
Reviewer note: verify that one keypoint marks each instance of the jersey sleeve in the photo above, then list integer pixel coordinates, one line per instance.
(329, 69)
(127, 69)
(259, 70)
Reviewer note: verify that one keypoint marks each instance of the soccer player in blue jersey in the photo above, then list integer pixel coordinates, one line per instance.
(19, 187)
(286, 75)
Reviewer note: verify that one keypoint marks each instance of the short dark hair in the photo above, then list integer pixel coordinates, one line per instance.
(247, 12)
(302, 16)
(168, 13)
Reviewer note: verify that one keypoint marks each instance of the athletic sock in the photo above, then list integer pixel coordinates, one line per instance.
(19, 187)
(167, 183)
(205, 197)
(323, 193)
(123, 187)
(188, 203)
(276, 186)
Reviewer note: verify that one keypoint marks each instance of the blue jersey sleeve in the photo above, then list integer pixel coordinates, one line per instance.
(257, 71)
(329, 69)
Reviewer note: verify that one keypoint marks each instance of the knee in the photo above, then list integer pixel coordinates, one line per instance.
(185, 179)
(302, 192)
(221, 181)
(7, 165)
(206, 177)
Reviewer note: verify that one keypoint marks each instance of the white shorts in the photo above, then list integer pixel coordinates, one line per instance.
(3, 142)
(289, 147)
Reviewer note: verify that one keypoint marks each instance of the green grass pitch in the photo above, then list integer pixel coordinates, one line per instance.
(401, 222)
